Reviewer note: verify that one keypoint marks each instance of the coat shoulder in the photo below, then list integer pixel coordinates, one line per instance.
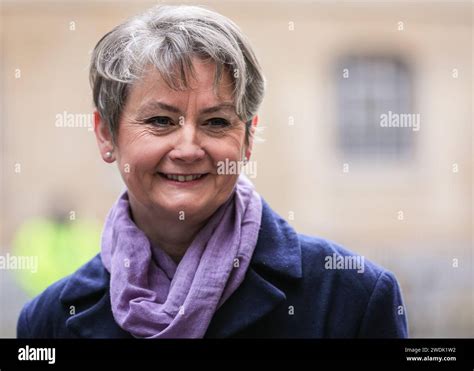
(323, 256)
(330, 290)
(45, 315)
(39, 316)
(348, 280)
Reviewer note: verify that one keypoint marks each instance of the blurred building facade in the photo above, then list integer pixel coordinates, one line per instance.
(401, 196)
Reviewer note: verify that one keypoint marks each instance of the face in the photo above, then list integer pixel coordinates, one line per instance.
(170, 142)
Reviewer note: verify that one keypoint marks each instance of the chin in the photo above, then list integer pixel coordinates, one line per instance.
(188, 205)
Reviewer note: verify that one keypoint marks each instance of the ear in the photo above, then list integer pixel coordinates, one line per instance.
(253, 126)
(104, 138)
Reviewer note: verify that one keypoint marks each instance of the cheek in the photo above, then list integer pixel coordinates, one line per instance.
(225, 151)
(140, 157)
(230, 148)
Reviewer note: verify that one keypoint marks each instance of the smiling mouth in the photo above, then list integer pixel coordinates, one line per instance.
(183, 178)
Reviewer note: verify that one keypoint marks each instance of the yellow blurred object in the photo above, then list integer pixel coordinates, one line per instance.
(60, 248)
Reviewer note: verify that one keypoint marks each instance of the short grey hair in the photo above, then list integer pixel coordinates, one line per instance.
(167, 37)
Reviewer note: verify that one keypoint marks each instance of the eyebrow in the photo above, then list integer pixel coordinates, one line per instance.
(149, 108)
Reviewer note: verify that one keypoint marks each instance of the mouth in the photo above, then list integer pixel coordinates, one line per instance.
(183, 178)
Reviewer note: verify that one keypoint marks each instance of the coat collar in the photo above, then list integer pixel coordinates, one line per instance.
(278, 247)
(277, 256)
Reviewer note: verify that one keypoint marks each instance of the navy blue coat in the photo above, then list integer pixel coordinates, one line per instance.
(287, 293)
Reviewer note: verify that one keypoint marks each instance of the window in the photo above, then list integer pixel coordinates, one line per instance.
(370, 87)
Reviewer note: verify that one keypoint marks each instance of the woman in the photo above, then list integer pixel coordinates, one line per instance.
(189, 252)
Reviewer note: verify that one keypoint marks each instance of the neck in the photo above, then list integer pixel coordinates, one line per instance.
(172, 235)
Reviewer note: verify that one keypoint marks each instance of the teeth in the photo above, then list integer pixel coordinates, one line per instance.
(183, 178)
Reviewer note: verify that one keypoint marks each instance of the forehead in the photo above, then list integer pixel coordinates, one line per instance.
(152, 86)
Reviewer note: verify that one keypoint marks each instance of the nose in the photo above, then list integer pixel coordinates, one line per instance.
(187, 148)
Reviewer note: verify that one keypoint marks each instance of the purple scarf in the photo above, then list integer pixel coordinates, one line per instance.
(151, 296)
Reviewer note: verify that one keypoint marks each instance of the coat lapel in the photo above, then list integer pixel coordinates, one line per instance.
(277, 257)
(87, 294)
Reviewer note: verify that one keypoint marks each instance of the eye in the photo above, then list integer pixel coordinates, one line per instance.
(160, 121)
(217, 123)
